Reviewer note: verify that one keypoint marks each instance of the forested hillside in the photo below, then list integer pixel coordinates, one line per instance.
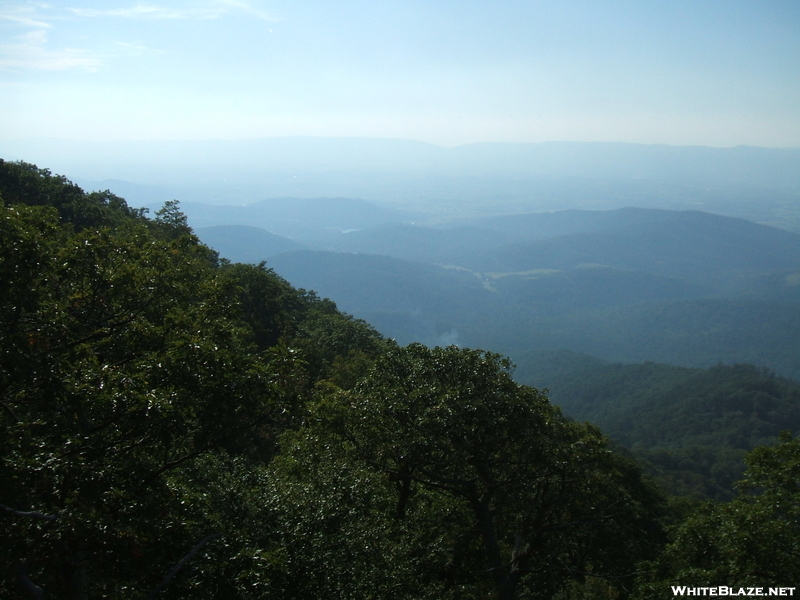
(142, 380)
(692, 426)
(679, 287)
(172, 422)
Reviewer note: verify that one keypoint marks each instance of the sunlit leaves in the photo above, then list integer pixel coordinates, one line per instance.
(124, 359)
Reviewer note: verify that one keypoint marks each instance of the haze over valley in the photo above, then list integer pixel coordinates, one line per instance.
(626, 252)
(682, 287)
(433, 182)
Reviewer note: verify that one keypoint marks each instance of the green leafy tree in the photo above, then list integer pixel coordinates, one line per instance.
(169, 420)
(24, 183)
(753, 540)
(123, 359)
(479, 475)
(143, 386)
(170, 221)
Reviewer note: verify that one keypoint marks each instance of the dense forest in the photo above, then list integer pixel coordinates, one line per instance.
(691, 427)
(180, 426)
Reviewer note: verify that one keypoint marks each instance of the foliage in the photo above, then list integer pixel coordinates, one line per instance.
(122, 359)
(24, 183)
(693, 426)
(754, 540)
(128, 359)
(163, 411)
(481, 479)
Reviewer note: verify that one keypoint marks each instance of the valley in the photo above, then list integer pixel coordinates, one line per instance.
(681, 287)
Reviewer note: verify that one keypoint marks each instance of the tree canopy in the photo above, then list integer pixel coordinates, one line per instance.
(511, 495)
(754, 540)
(129, 354)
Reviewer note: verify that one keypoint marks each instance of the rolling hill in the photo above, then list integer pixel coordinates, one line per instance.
(693, 426)
(243, 243)
(681, 287)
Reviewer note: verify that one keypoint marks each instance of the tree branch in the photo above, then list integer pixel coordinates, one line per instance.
(32, 513)
(175, 463)
(11, 412)
(30, 587)
(181, 564)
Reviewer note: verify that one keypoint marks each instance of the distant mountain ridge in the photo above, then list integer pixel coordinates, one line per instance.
(685, 288)
(303, 219)
(694, 165)
(762, 184)
(687, 244)
(246, 244)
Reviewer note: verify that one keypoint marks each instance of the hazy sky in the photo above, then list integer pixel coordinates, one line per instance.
(706, 72)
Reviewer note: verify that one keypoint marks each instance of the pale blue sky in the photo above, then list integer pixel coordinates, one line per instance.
(706, 72)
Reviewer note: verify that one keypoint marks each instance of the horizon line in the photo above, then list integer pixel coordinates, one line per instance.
(381, 138)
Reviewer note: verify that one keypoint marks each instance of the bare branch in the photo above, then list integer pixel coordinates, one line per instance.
(181, 564)
(30, 587)
(32, 513)
(11, 412)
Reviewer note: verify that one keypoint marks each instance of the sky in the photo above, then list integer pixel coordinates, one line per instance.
(698, 72)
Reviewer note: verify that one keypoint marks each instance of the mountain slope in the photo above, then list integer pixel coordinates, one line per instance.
(692, 425)
(682, 287)
(686, 244)
(304, 219)
(246, 244)
(407, 300)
